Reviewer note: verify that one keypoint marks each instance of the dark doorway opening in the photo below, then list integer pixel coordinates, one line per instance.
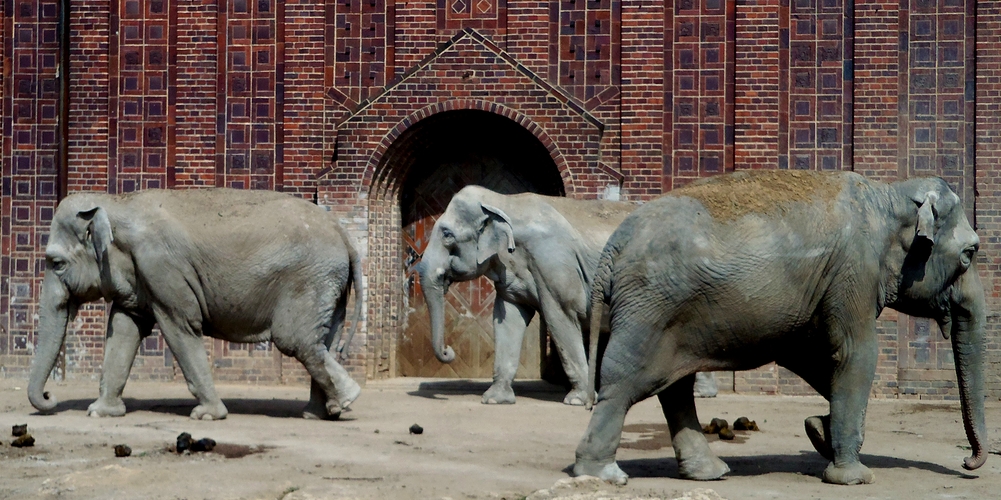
(429, 163)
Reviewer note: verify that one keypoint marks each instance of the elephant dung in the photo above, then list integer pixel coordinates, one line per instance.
(726, 434)
(416, 429)
(744, 424)
(122, 450)
(23, 441)
(184, 442)
(19, 430)
(715, 426)
(203, 444)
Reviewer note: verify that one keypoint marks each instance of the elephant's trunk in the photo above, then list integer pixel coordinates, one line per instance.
(969, 316)
(433, 288)
(54, 314)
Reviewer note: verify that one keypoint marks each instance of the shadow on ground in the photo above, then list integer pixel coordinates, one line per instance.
(807, 463)
(277, 408)
(534, 389)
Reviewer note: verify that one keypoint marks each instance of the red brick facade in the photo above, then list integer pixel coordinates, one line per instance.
(336, 100)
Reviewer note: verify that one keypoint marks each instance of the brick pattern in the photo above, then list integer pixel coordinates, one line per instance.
(815, 106)
(89, 90)
(756, 77)
(661, 93)
(641, 101)
(31, 165)
(304, 114)
(250, 151)
(455, 14)
(988, 178)
(703, 52)
(140, 127)
(585, 47)
(360, 44)
(876, 65)
(936, 68)
(195, 90)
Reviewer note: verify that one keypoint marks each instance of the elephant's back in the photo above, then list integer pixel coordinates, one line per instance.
(262, 226)
(593, 220)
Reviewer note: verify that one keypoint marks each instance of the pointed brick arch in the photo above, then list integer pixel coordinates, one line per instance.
(379, 174)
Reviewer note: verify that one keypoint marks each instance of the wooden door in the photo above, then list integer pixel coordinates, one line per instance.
(469, 304)
(926, 365)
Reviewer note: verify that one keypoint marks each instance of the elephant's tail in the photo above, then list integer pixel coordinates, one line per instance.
(356, 282)
(599, 297)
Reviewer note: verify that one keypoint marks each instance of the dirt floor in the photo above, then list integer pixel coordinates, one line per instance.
(466, 451)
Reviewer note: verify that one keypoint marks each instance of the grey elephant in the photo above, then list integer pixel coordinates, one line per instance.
(243, 266)
(740, 270)
(540, 252)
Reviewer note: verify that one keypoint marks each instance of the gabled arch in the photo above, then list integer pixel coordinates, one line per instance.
(381, 175)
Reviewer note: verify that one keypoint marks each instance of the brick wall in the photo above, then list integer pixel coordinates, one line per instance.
(631, 99)
(988, 151)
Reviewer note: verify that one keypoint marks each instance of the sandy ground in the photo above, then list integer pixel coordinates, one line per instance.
(467, 450)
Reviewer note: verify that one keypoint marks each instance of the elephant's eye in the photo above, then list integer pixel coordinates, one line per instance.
(58, 265)
(447, 237)
(967, 257)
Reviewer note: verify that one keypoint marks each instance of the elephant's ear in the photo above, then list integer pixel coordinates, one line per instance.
(495, 230)
(99, 228)
(926, 216)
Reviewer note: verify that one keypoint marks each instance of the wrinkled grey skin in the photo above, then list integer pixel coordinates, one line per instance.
(800, 283)
(540, 252)
(243, 266)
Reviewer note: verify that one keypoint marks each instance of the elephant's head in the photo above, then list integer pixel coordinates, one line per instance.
(463, 243)
(939, 279)
(76, 259)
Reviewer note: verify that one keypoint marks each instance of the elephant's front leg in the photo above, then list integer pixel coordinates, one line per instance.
(510, 321)
(120, 347)
(850, 386)
(189, 350)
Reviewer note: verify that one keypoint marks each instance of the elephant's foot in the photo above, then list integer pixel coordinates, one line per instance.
(705, 385)
(346, 394)
(853, 473)
(320, 411)
(818, 429)
(500, 393)
(211, 411)
(608, 472)
(102, 408)
(576, 397)
(702, 468)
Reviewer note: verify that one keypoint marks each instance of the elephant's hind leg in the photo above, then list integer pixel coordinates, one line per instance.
(621, 387)
(297, 333)
(695, 459)
(818, 371)
(596, 451)
(569, 343)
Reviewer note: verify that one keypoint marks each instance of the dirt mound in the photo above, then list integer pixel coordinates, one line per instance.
(729, 197)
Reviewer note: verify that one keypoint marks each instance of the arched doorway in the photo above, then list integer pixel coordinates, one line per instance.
(432, 160)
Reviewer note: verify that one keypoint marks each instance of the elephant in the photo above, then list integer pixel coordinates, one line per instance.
(242, 266)
(742, 269)
(540, 252)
